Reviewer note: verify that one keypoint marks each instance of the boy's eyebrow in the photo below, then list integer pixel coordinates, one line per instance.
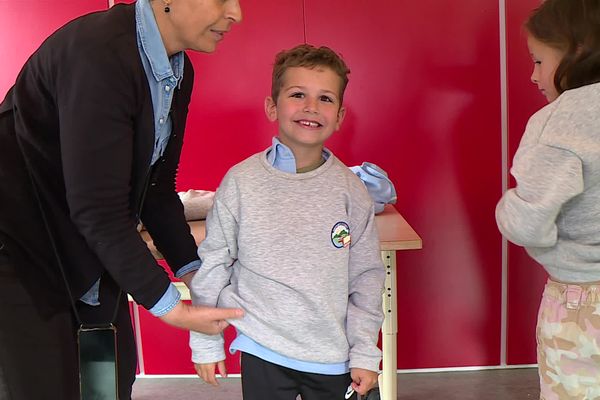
(294, 87)
(303, 88)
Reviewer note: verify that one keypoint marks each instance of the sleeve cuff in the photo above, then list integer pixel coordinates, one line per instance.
(167, 302)
(193, 266)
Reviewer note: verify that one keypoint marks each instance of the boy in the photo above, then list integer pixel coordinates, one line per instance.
(291, 239)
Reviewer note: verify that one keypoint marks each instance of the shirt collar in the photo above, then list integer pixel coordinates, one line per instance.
(152, 44)
(281, 157)
(279, 151)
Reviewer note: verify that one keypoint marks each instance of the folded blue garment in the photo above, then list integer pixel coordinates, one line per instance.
(378, 184)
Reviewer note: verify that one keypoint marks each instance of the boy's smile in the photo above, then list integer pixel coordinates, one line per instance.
(310, 124)
(308, 109)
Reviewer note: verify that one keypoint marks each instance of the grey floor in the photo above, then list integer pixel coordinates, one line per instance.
(497, 384)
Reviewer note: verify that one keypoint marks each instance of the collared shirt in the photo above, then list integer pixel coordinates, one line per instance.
(164, 74)
(281, 157)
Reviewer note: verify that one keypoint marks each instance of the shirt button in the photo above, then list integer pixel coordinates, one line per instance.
(161, 121)
(167, 88)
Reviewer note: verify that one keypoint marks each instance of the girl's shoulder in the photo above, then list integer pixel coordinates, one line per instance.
(579, 107)
(570, 106)
(570, 122)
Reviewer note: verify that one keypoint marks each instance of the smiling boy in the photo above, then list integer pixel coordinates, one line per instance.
(291, 239)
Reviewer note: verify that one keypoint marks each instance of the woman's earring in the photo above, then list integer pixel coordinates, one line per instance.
(167, 8)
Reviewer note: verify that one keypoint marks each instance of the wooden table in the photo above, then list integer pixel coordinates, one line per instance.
(394, 234)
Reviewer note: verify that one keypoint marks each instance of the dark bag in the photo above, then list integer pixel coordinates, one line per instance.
(97, 346)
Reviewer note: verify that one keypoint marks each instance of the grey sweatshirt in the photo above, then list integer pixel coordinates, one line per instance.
(554, 210)
(275, 248)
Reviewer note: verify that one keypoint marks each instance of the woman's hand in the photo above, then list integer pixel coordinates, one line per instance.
(208, 320)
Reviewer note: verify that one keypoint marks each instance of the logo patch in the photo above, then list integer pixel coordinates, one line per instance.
(340, 235)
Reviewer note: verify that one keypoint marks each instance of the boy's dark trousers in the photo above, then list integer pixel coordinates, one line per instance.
(264, 380)
(38, 357)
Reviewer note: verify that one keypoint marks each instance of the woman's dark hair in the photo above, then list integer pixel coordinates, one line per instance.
(571, 26)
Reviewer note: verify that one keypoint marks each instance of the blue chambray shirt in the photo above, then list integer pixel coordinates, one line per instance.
(164, 75)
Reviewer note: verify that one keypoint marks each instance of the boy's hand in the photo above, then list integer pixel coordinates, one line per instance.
(363, 380)
(207, 372)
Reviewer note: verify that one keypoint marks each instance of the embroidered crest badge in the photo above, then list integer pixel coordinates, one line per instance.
(340, 235)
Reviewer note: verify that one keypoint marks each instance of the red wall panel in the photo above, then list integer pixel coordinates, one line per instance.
(424, 104)
(25, 24)
(525, 277)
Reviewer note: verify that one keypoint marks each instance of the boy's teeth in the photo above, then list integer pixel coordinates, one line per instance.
(308, 123)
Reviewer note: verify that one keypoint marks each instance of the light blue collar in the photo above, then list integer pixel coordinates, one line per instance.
(153, 46)
(281, 157)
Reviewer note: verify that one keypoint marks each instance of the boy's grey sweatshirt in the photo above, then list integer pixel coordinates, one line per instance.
(554, 211)
(273, 248)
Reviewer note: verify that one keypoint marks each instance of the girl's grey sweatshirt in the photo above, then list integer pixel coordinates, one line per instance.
(554, 211)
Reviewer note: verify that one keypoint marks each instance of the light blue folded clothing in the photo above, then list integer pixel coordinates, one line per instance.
(378, 184)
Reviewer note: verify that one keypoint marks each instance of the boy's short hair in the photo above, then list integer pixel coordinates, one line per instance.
(571, 26)
(308, 56)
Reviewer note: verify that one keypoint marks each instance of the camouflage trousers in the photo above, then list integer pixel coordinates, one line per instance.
(568, 342)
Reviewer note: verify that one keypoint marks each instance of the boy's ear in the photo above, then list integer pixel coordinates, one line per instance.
(270, 109)
(340, 117)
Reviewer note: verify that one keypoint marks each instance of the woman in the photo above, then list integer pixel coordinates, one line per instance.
(90, 138)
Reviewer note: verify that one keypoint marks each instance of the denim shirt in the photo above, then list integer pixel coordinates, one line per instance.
(164, 74)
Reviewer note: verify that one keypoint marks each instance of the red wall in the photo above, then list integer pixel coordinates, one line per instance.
(423, 103)
(525, 277)
(24, 24)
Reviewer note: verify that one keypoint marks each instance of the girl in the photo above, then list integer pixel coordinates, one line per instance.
(554, 210)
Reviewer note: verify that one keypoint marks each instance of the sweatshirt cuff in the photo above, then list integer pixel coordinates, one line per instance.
(366, 361)
(206, 348)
